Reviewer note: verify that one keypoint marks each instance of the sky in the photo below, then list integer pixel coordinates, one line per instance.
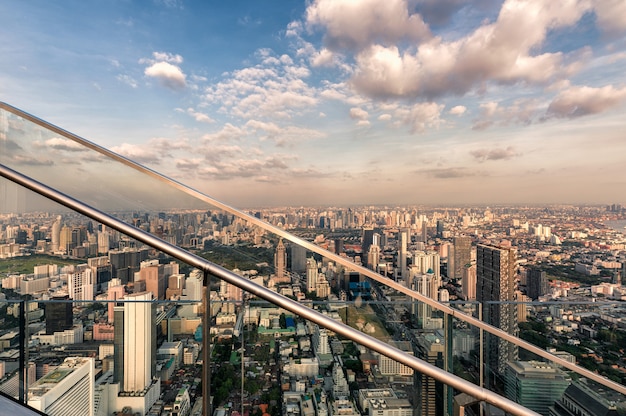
(337, 102)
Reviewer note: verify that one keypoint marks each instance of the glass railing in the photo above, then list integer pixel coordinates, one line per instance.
(289, 363)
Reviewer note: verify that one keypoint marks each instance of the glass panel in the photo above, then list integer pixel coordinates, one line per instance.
(40, 240)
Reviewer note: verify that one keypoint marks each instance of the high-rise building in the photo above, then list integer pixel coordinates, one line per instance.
(462, 256)
(280, 262)
(80, 283)
(468, 282)
(311, 274)
(156, 282)
(68, 390)
(59, 315)
(403, 241)
(535, 385)
(298, 258)
(495, 273)
(367, 239)
(431, 393)
(135, 342)
(536, 283)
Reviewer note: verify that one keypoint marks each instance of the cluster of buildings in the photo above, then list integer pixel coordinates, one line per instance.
(498, 258)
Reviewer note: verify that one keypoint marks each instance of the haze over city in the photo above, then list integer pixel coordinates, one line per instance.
(336, 102)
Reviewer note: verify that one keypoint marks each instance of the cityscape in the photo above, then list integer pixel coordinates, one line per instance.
(313, 208)
(118, 325)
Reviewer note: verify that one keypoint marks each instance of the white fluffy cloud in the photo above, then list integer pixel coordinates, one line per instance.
(458, 110)
(504, 51)
(581, 101)
(356, 24)
(170, 76)
(165, 68)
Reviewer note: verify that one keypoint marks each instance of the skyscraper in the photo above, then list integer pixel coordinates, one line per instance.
(462, 256)
(59, 316)
(536, 283)
(135, 342)
(311, 274)
(68, 390)
(468, 282)
(298, 258)
(495, 273)
(403, 241)
(280, 262)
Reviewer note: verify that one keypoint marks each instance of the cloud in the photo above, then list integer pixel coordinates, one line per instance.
(439, 11)
(522, 111)
(128, 80)
(170, 76)
(31, 161)
(275, 88)
(457, 110)
(611, 15)
(139, 153)
(165, 68)
(421, 116)
(356, 24)
(494, 154)
(59, 143)
(506, 51)
(450, 173)
(358, 114)
(581, 101)
(200, 117)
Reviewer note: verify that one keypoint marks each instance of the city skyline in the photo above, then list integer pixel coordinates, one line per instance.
(338, 103)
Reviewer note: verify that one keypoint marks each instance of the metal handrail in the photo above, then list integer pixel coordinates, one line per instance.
(370, 342)
(319, 250)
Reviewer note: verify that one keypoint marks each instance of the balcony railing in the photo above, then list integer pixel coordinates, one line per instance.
(112, 190)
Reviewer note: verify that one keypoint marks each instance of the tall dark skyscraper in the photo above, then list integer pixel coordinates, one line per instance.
(495, 273)
(367, 239)
(536, 283)
(59, 315)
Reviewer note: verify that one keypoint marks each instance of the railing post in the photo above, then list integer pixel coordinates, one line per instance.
(449, 322)
(23, 358)
(206, 347)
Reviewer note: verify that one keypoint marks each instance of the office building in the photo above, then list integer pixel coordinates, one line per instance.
(68, 390)
(495, 274)
(135, 342)
(536, 283)
(584, 397)
(462, 250)
(59, 315)
(80, 283)
(468, 282)
(298, 258)
(431, 394)
(403, 241)
(311, 274)
(535, 385)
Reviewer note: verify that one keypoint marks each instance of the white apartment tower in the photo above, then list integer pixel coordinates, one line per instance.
(135, 342)
(311, 274)
(80, 283)
(67, 390)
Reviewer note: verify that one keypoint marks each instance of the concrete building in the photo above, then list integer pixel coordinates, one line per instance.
(535, 385)
(66, 391)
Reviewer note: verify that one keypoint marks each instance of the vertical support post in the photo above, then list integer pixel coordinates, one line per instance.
(449, 322)
(22, 377)
(206, 348)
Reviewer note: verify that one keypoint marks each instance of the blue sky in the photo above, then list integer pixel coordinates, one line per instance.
(337, 102)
